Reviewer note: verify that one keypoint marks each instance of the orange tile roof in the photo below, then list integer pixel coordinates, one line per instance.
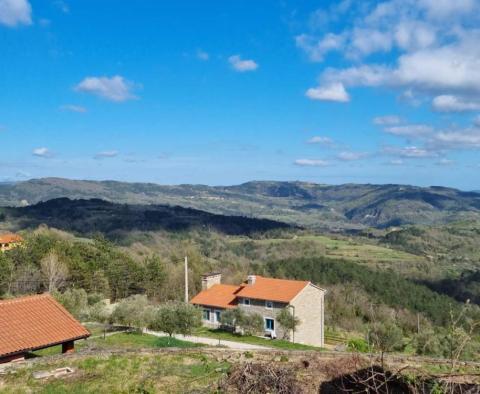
(35, 322)
(9, 238)
(281, 290)
(220, 296)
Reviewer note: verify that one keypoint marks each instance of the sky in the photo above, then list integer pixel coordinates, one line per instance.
(224, 92)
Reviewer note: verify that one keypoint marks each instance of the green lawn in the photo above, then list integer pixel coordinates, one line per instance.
(136, 340)
(275, 343)
(121, 340)
(132, 373)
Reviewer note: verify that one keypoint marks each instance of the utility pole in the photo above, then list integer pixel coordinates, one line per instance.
(186, 279)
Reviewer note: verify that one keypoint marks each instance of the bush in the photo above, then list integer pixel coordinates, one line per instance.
(252, 324)
(176, 318)
(359, 345)
(132, 312)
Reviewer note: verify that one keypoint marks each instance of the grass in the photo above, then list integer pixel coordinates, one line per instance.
(253, 340)
(131, 340)
(346, 249)
(134, 340)
(133, 373)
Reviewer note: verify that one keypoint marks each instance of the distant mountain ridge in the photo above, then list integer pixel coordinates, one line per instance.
(348, 206)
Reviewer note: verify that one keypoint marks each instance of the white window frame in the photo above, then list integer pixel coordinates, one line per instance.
(245, 302)
(268, 304)
(265, 324)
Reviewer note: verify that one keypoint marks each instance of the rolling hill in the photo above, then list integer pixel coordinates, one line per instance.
(339, 207)
(88, 217)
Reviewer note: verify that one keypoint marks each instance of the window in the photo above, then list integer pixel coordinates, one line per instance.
(206, 314)
(217, 316)
(269, 304)
(269, 324)
(246, 301)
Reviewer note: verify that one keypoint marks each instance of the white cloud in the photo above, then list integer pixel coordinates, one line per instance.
(440, 9)
(42, 152)
(388, 120)
(331, 92)
(106, 154)
(351, 156)
(320, 140)
(202, 55)
(410, 130)
(240, 65)
(410, 35)
(15, 12)
(311, 163)
(115, 88)
(396, 162)
(409, 152)
(449, 103)
(425, 47)
(445, 162)
(73, 108)
(317, 49)
(367, 41)
(468, 138)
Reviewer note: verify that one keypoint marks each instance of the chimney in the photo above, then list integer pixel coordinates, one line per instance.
(208, 280)
(251, 280)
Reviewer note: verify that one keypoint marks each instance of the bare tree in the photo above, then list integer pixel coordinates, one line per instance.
(54, 271)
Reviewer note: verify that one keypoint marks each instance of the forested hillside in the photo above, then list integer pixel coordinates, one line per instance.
(341, 207)
(118, 221)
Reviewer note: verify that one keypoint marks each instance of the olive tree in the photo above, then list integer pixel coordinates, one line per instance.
(100, 313)
(386, 337)
(175, 318)
(132, 312)
(288, 321)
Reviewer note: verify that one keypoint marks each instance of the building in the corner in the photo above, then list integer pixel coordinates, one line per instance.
(267, 296)
(9, 241)
(33, 323)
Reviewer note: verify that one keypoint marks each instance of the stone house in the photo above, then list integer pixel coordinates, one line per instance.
(267, 297)
(9, 241)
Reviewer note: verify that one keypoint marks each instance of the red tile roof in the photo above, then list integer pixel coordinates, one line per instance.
(281, 290)
(220, 296)
(35, 322)
(9, 238)
(225, 296)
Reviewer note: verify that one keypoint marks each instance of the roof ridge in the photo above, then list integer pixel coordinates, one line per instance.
(24, 298)
(64, 310)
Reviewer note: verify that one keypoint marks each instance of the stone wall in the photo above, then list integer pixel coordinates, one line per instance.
(309, 308)
(259, 306)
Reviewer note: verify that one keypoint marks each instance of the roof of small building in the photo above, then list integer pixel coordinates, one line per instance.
(35, 322)
(219, 295)
(271, 289)
(9, 238)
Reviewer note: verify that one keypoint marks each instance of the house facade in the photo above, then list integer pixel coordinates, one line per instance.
(9, 241)
(267, 297)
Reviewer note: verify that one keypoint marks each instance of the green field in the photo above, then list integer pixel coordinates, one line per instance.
(131, 340)
(344, 248)
(133, 373)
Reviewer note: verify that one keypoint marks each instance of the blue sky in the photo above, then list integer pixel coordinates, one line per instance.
(222, 92)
